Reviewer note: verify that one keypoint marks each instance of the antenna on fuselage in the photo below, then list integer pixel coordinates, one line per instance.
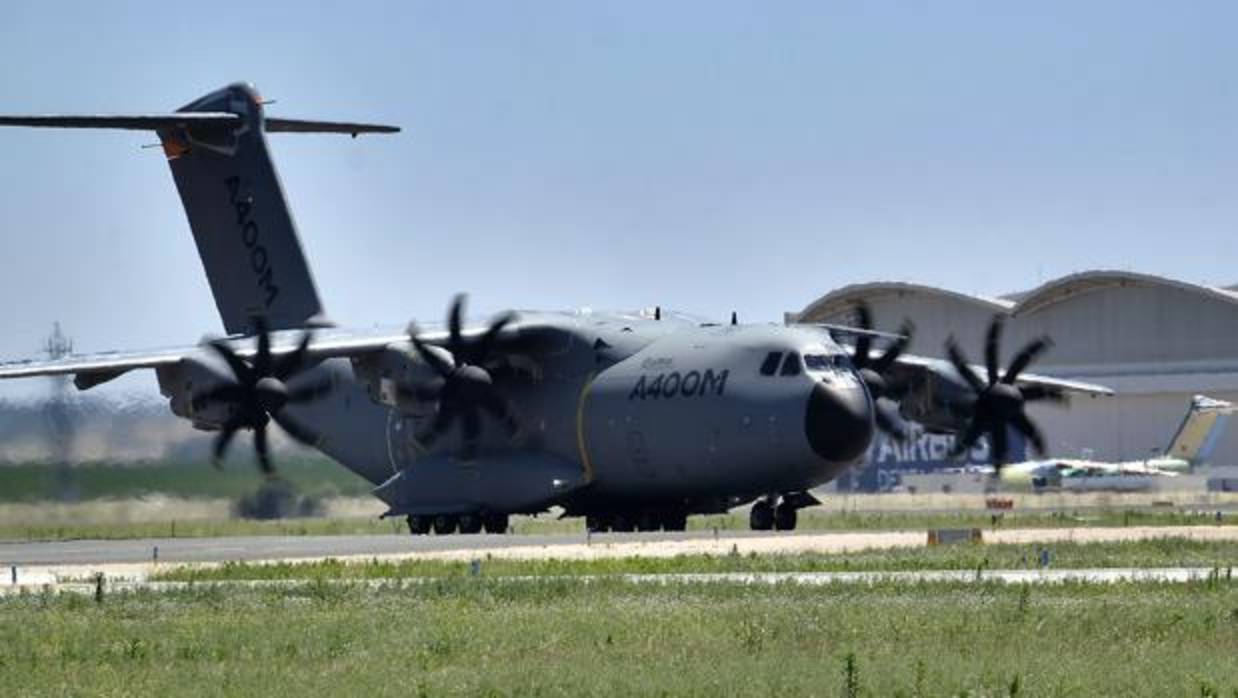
(734, 318)
(657, 312)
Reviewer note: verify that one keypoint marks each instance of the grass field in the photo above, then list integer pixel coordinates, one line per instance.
(35, 482)
(566, 637)
(1164, 552)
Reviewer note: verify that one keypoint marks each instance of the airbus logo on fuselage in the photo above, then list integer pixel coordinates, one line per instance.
(259, 259)
(676, 384)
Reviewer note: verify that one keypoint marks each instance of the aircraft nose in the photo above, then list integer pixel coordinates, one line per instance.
(839, 423)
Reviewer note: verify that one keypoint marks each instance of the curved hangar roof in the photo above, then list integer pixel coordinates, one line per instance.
(1101, 316)
(842, 301)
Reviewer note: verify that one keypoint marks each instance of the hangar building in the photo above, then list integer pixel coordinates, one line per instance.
(1155, 341)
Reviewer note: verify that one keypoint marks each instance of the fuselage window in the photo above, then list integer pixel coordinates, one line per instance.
(791, 366)
(770, 366)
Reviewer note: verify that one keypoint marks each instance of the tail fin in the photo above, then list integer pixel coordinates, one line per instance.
(232, 196)
(1200, 430)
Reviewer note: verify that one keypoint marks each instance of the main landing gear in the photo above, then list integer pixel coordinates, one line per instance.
(643, 520)
(771, 514)
(443, 524)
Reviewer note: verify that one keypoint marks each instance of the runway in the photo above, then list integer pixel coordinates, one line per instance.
(41, 562)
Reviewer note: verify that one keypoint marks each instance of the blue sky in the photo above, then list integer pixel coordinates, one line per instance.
(706, 156)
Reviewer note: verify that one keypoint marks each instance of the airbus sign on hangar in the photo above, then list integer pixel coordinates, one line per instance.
(1156, 341)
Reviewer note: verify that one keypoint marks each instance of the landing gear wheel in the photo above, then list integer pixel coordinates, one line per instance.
(445, 523)
(621, 523)
(675, 521)
(418, 525)
(785, 517)
(597, 523)
(648, 521)
(470, 524)
(495, 523)
(761, 518)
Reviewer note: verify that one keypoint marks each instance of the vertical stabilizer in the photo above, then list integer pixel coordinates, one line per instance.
(240, 219)
(233, 198)
(1200, 430)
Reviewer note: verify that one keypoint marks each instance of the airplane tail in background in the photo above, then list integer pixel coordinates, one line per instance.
(1200, 431)
(233, 198)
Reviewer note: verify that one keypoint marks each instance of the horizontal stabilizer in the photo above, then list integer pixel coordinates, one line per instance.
(131, 122)
(194, 120)
(302, 126)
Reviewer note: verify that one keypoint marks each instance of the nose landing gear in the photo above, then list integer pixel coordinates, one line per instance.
(779, 513)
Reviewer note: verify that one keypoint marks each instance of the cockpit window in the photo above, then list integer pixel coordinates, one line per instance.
(816, 362)
(826, 362)
(791, 366)
(770, 365)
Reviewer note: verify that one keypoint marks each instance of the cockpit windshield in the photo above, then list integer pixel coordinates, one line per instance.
(827, 362)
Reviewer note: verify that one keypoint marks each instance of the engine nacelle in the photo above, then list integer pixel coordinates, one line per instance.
(397, 365)
(192, 376)
(941, 403)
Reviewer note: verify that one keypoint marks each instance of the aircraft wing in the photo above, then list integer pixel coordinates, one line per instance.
(911, 365)
(92, 369)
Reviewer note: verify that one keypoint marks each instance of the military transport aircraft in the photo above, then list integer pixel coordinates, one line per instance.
(633, 420)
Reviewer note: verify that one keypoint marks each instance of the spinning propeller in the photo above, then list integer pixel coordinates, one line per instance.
(873, 371)
(463, 388)
(999, 401)
(258, 393)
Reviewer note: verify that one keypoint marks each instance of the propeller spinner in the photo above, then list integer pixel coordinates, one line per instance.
(873, 372)
(1000, 401)
(257, 393)
(463, 387)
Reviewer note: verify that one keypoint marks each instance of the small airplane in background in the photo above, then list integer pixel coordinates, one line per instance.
(1205, 421)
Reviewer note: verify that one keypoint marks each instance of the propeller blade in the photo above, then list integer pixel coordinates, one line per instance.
(292, 363)
(1025, 358)
(313, 391)
(472, 432)
(263, 450)
(244, 374)
(959, 361)
(454, 322)
(501, 410)
(863, 343)
(992, 346)
(438, 426)
(896, 349)
(299, 432)
(997, 439)
(888, 420)
(863, 316)
(224, 392)
(481, 349)
(436, 362)
(472, 424)
(262, 360)
(1029, 429)
(1036, 393)
(968, 439)
(220, 447)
